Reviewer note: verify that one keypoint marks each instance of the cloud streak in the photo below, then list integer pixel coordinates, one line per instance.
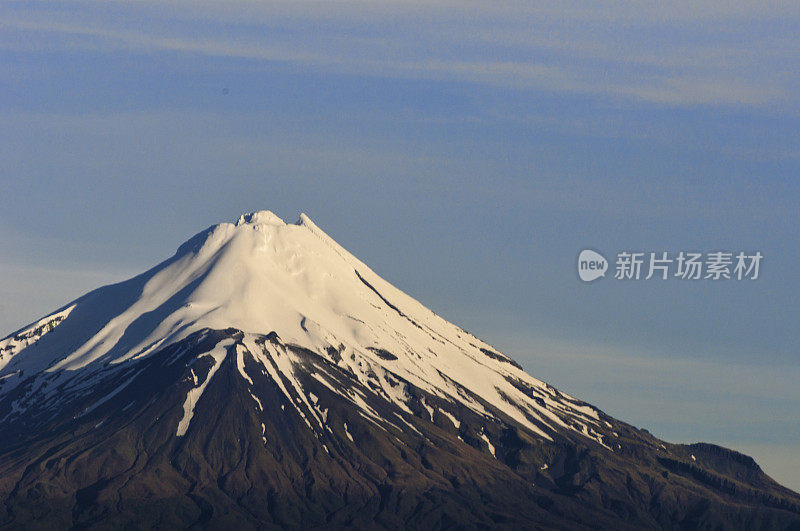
(670, 56)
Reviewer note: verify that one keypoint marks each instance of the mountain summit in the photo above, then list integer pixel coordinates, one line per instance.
(264, 376)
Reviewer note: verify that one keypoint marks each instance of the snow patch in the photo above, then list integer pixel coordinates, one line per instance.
(453, 419)
(240, 350)
(488, 443)
(254, 397)
(218, 355)
(428, 408)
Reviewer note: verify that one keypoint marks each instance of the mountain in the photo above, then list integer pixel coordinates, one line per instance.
(264, 377)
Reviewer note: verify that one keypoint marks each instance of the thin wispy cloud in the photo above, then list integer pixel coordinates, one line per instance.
(675, 56)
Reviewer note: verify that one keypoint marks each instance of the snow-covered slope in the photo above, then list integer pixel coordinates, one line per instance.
(261, 275)
(264, 377)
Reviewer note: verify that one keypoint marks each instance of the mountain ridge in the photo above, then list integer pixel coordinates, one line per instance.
(267, 354)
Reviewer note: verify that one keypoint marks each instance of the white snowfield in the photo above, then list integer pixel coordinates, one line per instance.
(261, 275)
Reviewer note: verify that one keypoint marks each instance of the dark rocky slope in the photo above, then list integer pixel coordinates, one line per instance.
(120, 465)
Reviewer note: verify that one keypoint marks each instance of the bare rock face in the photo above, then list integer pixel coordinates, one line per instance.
(264, 377)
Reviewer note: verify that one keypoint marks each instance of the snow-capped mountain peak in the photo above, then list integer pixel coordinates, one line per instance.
(264, 376)
(262, 276)
(261, 217)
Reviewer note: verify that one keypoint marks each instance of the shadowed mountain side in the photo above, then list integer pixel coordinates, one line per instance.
(241, 465)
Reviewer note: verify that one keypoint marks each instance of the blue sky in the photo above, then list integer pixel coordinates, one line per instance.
(466, 151)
